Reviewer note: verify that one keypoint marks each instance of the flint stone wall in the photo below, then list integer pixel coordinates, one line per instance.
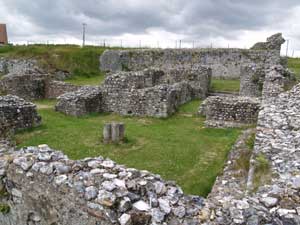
(25, 66)
(278, 80)
(85, 100)
(16, 114)
(277, 201)
(144, 93)
(260, 80)
(233, 111)
(252, 79)
(55, 89)
(34, 85)
(28, 86)
(225, 63)
(45, 187)
(17, 66)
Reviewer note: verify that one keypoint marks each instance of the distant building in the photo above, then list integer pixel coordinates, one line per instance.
(3, 35)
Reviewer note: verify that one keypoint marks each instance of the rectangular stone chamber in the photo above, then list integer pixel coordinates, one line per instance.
(150, 92)
(16, 114)
(234, 111)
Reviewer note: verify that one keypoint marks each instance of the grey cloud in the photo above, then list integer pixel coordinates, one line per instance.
(194, 18)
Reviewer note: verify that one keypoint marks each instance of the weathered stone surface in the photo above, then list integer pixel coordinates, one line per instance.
(153, 92)
(54, 89)
(29, 86)
(277, 198)
(150, 92)
(82, 197)
(273, 43)
(225, 63)
(86, 100)
(232, 111)
(16, 114)
(278, 79)
(252, 79)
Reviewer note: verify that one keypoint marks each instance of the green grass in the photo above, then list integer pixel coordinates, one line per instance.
(80, 62)
(221, 85)
(179, 148)
(79, 80)
(294, 65)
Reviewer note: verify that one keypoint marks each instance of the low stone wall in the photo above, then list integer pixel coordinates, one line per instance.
(55, 89)
(144, 93)
(81, 102)
(17, 66)
(34, 85)
(16, 114)
(225, 63)
(260, 80)
(233, 111)
(252, 79)
(278, 80)
(28, 86)
(277, 198)
(25, 66)
(44, 187)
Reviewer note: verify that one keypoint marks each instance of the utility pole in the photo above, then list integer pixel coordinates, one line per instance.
(83, 34)
(287, 47)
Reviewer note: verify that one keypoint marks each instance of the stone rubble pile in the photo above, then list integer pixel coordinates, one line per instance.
(16, 114)
(45, 187)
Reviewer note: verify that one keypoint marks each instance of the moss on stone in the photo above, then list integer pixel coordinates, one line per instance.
(4, 208)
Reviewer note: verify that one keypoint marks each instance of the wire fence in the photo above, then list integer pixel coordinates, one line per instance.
(287, 47)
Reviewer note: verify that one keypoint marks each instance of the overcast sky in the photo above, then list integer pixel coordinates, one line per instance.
(237, 23)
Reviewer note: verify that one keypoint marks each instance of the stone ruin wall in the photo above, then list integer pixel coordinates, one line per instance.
(277, 199)
(258, 84)
(144, 93)
(85, 100)
(98, 191)
(16, 66)
(225, 63)
(232, 111)
(27, 65)
(54, 88)
(256, 79)
(39, 181)
(16, 114)
(34, 85)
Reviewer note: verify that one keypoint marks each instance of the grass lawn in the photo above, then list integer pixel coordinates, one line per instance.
(82, 63)
(294, 65)
(221, 85)
(179, 148)
(93, 80)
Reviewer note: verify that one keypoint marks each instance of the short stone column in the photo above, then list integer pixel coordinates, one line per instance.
(107, 133)
(113, 132)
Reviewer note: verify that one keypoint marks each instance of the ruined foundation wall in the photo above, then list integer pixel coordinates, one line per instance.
(16, 114)
(233, 111)
(269, 193)
(225, 63)
(16, 66)
(44, 187)
(87, 99)
(27, 86)
(55, 89)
